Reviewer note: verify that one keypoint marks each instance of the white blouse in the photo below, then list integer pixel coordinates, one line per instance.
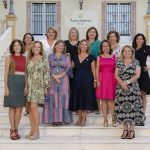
(47, 48)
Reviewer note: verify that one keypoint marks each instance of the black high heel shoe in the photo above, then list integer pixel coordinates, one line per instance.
(131, 134)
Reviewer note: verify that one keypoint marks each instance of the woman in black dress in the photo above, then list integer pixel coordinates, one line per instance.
(72, 42)
(142, 51)
(82, 95)
(72, 48)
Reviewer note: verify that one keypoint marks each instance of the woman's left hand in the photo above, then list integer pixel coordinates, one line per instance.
(25, 91)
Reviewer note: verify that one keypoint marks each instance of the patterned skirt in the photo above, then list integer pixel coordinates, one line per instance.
(16, 98)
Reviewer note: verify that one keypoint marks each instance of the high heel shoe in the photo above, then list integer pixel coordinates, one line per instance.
(35, 136)
(131, 134)
(105, 124)
(13, 135)
(125, 134)
(28, 136)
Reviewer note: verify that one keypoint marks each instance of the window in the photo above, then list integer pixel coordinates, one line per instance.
(43, 16)
(119, 18)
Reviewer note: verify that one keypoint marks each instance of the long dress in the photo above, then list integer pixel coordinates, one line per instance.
(107, 88)
(57, 100)
(83, 93)
(128, 103)
(38, 78)
(144, 80)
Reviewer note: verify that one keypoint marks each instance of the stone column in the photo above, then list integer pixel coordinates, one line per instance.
(147, 23)
(11, 19)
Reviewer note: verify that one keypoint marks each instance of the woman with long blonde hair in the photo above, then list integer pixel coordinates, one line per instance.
(38, 77)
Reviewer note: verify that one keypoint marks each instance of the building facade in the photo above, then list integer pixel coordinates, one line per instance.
(35, 16)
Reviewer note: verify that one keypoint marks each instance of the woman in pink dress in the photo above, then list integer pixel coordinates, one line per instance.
(106, 83)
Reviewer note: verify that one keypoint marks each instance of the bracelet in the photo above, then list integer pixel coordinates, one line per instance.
(128, 81)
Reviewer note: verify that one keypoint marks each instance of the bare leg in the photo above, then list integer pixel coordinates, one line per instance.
(112, 107)
(144, 100)
(78, 123)
(104, 107)
(18, 117)
(12, 123)
(84, 112)
(31, 119)
(36, 117)
(12, 118)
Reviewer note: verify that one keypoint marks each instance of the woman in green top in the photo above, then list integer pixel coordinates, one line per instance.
(94, 43)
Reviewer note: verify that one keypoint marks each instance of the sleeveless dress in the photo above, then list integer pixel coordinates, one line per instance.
(128, 103)
(107, 80)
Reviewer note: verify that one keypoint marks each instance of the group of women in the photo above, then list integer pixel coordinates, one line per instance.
(81, 76)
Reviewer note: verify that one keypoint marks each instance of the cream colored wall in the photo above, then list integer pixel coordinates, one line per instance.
(68, 6)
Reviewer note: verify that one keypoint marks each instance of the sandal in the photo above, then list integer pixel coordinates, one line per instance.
(125, 134)
(13, 135)
(17, 134)
(131, 134)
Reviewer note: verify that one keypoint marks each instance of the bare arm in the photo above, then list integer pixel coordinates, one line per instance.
(97, 71)
(7, 64)
(93, 71)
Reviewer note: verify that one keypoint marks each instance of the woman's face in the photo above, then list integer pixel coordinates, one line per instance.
(59, 47)
(17, 47)
(105, 48)
(139, 41)
(73, 34)
(112, 38)
(127, 53)
(51, 34)
(92, 34)
(28, 39)
(37, 49)
(84, 46)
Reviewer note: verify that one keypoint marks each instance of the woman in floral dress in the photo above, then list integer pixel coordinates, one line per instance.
(128, 102)
(38, 77)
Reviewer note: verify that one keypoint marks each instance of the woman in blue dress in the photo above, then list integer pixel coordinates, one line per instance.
(83, 95)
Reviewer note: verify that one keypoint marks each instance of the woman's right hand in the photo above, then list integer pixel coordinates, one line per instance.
(97, 84)
(6, 93)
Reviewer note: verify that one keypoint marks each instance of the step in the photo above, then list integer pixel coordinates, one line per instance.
(76, 143)
(92, 120)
